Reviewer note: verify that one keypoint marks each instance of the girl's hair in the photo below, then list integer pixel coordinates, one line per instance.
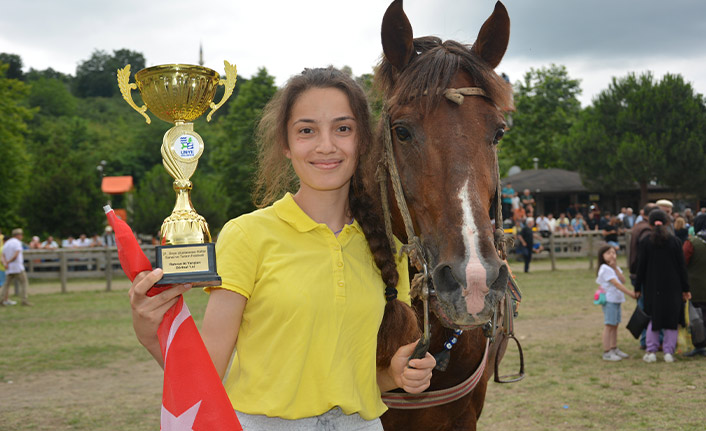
(659, 220)
(275, 176)
(601, 252)
(679, 223)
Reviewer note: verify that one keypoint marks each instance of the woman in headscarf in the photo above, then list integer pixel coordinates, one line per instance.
(661, 274)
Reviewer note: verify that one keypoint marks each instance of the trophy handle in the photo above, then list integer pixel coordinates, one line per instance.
(125, 87)
(229, 83)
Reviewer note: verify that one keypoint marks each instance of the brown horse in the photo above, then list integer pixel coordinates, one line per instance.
(444, 110)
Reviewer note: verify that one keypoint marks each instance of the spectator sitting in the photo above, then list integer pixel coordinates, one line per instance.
(578, 224)
(610, 233)
(507, 194)
(97, 241)
(544, 226)
(69, 242)
(35, 243)
(49, 243)
(83, 241)
(563, 225)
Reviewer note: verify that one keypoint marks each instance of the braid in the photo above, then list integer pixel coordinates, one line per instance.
(399, 323)
(370, 219)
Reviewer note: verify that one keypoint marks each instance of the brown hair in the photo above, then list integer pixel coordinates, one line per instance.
(601, 260)
(275, 176)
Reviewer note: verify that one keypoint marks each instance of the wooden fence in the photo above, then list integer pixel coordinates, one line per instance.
(68, 263)
(65, 264)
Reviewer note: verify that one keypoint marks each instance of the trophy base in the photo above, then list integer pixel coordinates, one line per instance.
(194, 264)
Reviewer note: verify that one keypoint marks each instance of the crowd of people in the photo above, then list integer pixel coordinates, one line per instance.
(83, 241)
(667, 265)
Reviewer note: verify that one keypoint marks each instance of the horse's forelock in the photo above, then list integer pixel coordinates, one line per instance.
(432, 71)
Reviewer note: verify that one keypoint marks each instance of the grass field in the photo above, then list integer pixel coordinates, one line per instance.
(71, 362)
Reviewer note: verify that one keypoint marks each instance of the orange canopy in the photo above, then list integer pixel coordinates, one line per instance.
(116, 185)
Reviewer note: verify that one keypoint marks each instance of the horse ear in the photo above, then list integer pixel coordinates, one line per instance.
(493, 37)
(397, 39)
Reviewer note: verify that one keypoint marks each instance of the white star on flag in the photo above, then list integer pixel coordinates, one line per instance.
(183, 422)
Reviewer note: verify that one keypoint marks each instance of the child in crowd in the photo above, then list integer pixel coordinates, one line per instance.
(612, 281)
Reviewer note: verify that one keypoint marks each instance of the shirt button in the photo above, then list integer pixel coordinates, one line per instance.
(340, 264)
(337, 247)
(340, 283)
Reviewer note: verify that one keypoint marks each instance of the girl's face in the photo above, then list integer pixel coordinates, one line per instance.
(609, 256)
(322, 140)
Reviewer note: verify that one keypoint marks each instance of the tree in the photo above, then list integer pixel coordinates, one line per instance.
(546, 105)
(52, 97)
(14, 62)
(642, 131)
(13, 153)
(234, 156)
(96, 77)
(64, 196)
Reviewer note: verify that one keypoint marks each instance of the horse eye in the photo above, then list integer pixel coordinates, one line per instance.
(402, 134)
(498, 136)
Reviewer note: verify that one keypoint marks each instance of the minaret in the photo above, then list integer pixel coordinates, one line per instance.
(200, 54)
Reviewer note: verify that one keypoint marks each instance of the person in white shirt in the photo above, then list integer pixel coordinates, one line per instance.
(13, 260)
(49, 243)
(612, 281)
(543, 226)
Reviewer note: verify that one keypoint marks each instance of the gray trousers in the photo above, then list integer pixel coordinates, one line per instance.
(332, 420)
(9, 279)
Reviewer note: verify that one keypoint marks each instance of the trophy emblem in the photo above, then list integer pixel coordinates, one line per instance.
(179, 94)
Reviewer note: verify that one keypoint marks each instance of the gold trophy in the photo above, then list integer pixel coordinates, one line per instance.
(179, 94)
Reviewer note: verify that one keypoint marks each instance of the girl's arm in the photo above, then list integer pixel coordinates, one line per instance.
(618, 273)
(411, 375)
(622, 288)
(221, 323)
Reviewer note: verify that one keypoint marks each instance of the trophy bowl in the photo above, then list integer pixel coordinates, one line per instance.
(177, 92)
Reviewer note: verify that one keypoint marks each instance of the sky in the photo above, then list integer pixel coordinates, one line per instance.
(595, 39)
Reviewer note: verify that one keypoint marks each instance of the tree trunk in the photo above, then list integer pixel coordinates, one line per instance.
(643, 194)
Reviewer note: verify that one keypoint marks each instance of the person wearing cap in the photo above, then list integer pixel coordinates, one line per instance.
(666, 206)
(108, 237)
(13, 260)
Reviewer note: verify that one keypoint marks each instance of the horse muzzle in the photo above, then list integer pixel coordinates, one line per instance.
(464, 304)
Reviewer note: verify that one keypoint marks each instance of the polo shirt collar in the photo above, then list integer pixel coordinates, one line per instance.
(288, 210)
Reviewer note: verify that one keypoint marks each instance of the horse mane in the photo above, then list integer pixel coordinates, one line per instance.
(432, 69)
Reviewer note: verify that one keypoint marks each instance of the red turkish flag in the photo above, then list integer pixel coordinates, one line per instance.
(193, 398)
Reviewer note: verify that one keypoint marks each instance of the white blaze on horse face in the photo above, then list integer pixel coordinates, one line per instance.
(476, 289)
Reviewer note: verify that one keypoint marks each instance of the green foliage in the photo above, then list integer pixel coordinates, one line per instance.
(52, 97)
(14, 62)
(546, 106)
(154, 200)
(96, 77)
(13, 153)
(64, 196)
(642, 131)
(234, 156)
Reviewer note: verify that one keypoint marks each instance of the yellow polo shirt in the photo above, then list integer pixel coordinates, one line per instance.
(308, 336)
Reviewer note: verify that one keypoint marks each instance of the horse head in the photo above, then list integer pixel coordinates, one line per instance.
(445, 110)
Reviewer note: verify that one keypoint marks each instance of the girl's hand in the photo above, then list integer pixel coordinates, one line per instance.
(411, 375)
(147, 312)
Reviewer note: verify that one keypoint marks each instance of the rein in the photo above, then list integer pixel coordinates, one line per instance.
(423, 287)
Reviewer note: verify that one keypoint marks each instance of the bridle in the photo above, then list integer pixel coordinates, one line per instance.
(422, 285)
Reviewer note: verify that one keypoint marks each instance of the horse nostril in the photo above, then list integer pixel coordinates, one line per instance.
(444, 279)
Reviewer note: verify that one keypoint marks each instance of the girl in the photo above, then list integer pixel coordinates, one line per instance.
(661, 273)
(612, 281)
(302, 298)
